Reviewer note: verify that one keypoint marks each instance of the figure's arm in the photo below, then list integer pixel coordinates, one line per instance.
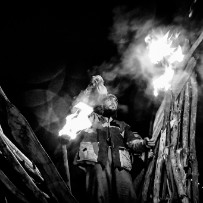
(136, 143)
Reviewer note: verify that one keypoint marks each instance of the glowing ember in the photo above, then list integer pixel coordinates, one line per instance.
(77, 121)
(161, 50)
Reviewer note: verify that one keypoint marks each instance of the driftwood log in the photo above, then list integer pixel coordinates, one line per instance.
(186, 122)
(148, 180)
(11, 187)
(22, 174)
(159, 166)
(26, 140)
(173, 155)
(193, 158)
(66, 164)
(27, 164)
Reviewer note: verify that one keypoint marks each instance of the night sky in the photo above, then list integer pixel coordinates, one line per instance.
(50, 51)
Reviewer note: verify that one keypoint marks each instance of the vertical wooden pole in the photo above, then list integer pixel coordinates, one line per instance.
(186, 123)
(173, 156)
(193, 158)
(65, 161)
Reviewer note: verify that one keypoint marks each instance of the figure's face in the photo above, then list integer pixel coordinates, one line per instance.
(110, 103)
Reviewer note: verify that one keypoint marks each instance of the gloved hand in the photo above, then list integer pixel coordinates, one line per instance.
(149, 143)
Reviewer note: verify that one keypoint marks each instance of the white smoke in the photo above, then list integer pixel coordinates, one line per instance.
(129, 32)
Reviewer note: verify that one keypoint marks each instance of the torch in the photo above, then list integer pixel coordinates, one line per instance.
(74, 124)
(79, 120)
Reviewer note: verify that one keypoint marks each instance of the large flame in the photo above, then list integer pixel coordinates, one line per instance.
(163, 81)
(161, 50)
(77, 121)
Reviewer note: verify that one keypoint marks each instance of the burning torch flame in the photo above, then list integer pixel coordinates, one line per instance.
(158, 47)
(77, 121)
(160, 50)
(163, 82)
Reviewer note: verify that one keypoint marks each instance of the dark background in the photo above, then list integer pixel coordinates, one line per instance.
(49, 52)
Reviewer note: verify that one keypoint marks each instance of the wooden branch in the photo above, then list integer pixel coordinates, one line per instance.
(27, 140)
(193, 158)
(138, 182)
(3, 95)
(66, 165)
(173, 195)
(22, 158)
(164, 188)
(12, 188)
(40, 196)
(177, 177)
(170, 178)
(185, 123)
(192, 50)
(158, 122)
(180, 114)
(147, 181)
(181, 170)
(189, 188)
(182, 76)
(179, 150)
(149, 175)
(173, 158)
(159, 165)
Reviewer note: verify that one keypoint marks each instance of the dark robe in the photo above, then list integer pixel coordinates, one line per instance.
(105, 155)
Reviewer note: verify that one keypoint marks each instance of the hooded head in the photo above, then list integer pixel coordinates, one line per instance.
(110, 105)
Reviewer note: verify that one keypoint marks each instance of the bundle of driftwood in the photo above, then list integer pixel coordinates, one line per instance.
(27, 174)
(172, 174)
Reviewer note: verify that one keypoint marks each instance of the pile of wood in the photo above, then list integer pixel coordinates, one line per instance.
(27, 174)
(172, 174)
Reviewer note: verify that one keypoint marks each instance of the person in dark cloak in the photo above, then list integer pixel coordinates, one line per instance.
(105, 154)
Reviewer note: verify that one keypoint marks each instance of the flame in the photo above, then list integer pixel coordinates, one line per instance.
(158, 47)
(77, 121)
(163, 82)
(161, 50)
